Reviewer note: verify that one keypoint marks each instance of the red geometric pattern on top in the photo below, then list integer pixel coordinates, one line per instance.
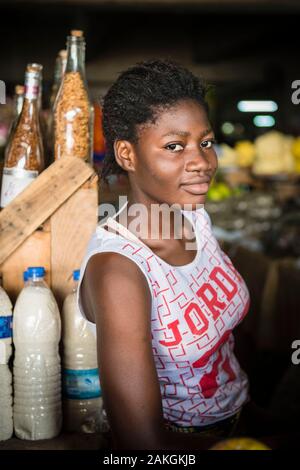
(194, 310)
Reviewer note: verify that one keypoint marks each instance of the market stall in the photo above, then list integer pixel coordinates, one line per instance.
(52, 152)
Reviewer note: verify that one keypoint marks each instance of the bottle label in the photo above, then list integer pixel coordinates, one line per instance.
(14, 181)
(6, 327)
(32, 83)
(81, 384)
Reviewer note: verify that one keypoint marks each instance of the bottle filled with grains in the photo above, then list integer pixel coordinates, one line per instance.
(24, 159)
(73, 116)
(42, 117)
(18, 105)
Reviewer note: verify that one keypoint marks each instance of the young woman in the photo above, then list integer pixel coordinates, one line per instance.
(164, 314)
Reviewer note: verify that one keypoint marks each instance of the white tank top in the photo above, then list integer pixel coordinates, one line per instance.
(194, 309)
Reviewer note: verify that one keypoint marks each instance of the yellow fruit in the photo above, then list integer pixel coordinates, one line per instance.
(240, 443)
(296, 148)
(245, 153)
(223, 190)
(214, 195)
(297, 166)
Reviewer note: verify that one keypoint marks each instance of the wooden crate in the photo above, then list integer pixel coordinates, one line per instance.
(49, 224)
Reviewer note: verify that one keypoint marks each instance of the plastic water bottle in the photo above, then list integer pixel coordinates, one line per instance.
(6, 411)
(25, 277)
(37, 373)
(82, 401)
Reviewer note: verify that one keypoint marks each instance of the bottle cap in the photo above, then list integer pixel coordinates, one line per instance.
(34, 67)
(36, 271)
(19, 90)
(63, 54)
(76, 275)
(25, 276)
(77, 32)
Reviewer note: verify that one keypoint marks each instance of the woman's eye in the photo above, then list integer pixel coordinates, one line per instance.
(174, 147)
(207, 144)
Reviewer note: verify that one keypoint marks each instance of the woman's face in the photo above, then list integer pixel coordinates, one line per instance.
(175, 157)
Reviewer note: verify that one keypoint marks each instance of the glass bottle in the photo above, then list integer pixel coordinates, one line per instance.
(25, 157)
(59, 70)
(18, 100)
(42, 116)
(73, 117)
(18, 104)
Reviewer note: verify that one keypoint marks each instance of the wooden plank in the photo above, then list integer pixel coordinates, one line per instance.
(39, 201)
(34, 251)
(71, 228)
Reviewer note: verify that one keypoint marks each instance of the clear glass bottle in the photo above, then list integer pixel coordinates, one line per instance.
(18, 104)
(18, 100)
(25, 157)
(43, 117)
(73, 113)
(59, 70)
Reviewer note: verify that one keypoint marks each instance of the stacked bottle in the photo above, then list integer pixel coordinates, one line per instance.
(60, 66)
(18, 105)
(6, 415)
(73, 112)
(59, 70)
(37, 373)
(24, 158)
(82, 402)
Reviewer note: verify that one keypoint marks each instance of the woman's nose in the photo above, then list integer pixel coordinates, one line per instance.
(198, 161)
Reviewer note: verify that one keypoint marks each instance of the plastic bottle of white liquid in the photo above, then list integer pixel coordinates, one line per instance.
(37, 372)
(6, 412)
(25, 277)
(82, 402)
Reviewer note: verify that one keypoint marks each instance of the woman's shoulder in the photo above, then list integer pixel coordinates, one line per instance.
(114, 252)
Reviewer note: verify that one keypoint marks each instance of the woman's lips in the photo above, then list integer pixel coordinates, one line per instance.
(196, 189)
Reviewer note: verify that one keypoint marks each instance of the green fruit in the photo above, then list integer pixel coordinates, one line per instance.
(213, 194)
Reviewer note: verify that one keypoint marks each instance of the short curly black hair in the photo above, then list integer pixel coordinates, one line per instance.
(136, 98)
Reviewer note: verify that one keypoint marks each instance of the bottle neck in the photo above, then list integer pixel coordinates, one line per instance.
(32, 86)
(19, 99)
(76, 55)
(75, 287)
(36, 281)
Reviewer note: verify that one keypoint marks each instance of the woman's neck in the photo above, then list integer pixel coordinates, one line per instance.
(150, 220)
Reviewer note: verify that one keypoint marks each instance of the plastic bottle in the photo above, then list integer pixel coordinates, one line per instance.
(25, 277)
(6, 412)
(82, 402)
(37, 372)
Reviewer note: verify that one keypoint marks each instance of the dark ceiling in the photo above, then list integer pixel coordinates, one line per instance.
(250, 49)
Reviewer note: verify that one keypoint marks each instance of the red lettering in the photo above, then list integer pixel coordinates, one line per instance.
(177, 336)
(187, 315)
(208, 382)
(228, 369)
(214, 276)
(213, 302)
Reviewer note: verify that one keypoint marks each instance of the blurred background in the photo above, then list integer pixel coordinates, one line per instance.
(248, 51)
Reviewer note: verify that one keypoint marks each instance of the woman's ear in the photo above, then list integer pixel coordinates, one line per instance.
(124, 154)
